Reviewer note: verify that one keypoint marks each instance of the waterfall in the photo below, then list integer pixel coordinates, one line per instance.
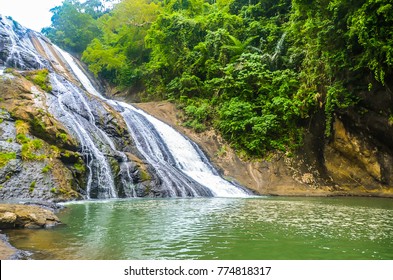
(180, 164)
(21, 54)
(71, 108)
(180, 153)
(181, 167)
(78, 72)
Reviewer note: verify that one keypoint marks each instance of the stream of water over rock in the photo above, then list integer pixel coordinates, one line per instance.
(183, 228)
(181, 167)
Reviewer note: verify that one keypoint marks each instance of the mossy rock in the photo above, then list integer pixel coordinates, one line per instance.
(40, 78)
(6, 157)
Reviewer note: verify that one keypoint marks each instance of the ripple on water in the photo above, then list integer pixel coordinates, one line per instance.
(218, 228)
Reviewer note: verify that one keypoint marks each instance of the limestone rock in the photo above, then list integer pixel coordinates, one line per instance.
(8, 217)
(26, 216)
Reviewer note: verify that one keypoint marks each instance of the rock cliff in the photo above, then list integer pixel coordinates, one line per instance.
(60, 142)
(352, 162)
(57, 142)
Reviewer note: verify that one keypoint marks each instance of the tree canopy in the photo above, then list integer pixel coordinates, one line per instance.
(255, 70)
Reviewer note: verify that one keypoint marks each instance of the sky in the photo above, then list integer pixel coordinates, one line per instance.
(33, 14)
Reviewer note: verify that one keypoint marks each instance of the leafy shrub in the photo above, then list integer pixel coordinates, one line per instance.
(197, 114)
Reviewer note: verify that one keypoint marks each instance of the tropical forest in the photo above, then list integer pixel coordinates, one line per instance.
(257, 71)
(198, 129)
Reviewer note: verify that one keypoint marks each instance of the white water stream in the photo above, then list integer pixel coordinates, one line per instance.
(186, 157)
(22, 49)
(181, 167)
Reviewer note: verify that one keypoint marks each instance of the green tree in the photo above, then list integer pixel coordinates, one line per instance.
(256, 70)
(370, 26)
(119, 53)
(72, 28)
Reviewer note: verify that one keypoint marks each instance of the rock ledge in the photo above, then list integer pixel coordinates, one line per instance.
(26, 216)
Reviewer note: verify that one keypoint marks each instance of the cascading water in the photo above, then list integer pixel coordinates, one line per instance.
(71, 108)
(79, 73)
(181, 167)
(180, 164)
(155, 150)
(164, 146)
(21, 54)
(69, 104)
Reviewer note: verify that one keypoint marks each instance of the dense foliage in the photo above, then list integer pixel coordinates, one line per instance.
(255, 70)
(74, 24)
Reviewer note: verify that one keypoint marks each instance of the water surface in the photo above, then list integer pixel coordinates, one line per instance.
(217, 228)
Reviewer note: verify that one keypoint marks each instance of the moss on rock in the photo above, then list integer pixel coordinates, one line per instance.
(40, 78)
(37, 142)
(6, 157)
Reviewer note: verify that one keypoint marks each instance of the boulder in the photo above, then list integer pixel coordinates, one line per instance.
(26, 216)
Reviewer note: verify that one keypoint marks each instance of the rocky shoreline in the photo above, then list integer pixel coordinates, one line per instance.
(26, 216)
(7, 251)
(21, 216)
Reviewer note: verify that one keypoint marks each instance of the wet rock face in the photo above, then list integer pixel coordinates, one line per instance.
(26, 216)
(106, 145)
(14, 43)
(27, 179)
(31, 167)
(4, 42)
(45, 158)
(55, 171)
(127, 167)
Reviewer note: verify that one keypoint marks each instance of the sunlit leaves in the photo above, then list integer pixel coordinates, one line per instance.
(257, 70)
(119, 53)
(100, 58)
(72, 28)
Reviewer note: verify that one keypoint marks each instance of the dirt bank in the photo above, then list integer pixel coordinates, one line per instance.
(271, 177)
(279, 175)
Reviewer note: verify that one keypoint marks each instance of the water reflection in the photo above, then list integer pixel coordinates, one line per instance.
(218, 228)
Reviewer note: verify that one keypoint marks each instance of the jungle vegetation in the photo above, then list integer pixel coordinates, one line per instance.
(256, 70)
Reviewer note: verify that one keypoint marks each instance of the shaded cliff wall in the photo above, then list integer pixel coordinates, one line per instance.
(352, 161)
